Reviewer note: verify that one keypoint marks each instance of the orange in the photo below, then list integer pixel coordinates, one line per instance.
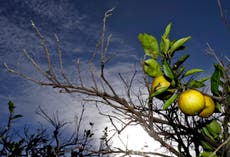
(191, 102)
(209, 107)
(159, 82)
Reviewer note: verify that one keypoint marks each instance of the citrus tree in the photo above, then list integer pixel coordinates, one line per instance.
(170, 105)
(197, 120)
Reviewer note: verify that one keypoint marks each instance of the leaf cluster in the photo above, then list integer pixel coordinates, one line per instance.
(159, 60)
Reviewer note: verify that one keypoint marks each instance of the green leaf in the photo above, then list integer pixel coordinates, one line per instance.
(206, 146)
(206, 154)
(173, 83)
(203, 79)
(159, 91)
(167, 30)
(207, 133)
(180, 71)
(152, 68)
(214, 128)
(17, 116)
(180, 61)
(218, 107)
(228, 99)
(172, 42)
(167, 70)
(176, 45)
(193, 71)
(11, 106)
(195, 84)
(215, 79)
(150, 45)
(170, 101)
(165, 44)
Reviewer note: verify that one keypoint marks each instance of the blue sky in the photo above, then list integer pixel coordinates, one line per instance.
(78, 23)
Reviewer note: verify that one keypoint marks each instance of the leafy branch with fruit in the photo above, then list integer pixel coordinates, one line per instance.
(197, 119)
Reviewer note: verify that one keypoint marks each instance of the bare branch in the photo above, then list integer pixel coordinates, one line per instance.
(79, 73)
(211, 51)
(23, 75)
(91, 69)
(223, 16)
(43, 44)
(220, 146)
(103, 49)
(60, 60)
(128, 85)
(34, 63)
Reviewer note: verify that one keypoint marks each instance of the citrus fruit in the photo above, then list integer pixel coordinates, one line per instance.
(191, 102)
(209, 107)
(159, 82)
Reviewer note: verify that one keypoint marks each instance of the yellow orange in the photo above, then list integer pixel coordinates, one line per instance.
(191, 102)
(159, 82)
(209, 107)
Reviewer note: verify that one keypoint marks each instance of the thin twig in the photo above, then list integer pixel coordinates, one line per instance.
(95, 52)
(107, 46)
(34, 63)
(79, 123)
(107, 14)
(79, 73)
(43, 44)
(223, 16)
(103, 50)
(60, 60)
(227, 59)
(211, 51)
(23, 75)
(220, 146)
(51, 75)
(91, 66)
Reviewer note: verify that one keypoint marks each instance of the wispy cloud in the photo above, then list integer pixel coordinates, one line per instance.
(51, 17)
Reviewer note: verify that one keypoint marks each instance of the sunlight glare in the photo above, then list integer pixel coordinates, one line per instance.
(135, 138)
